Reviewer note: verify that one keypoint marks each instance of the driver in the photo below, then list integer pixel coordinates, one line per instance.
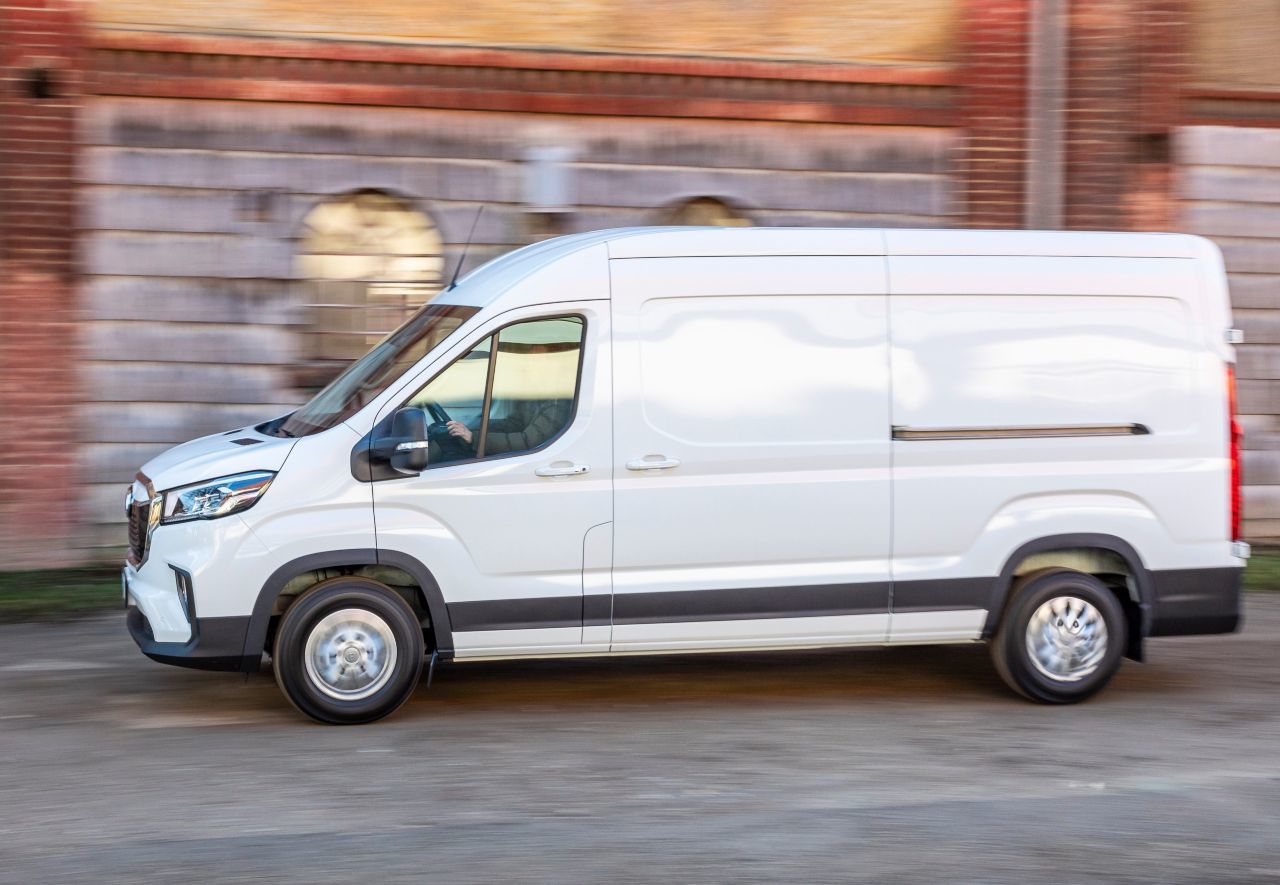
(529, 424)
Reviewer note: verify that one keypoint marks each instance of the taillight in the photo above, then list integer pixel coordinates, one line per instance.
(1235, 452)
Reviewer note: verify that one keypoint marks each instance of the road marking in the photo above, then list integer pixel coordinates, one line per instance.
(188, 720)
(47, 666)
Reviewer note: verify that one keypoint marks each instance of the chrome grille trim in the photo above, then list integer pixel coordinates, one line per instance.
(138, 503)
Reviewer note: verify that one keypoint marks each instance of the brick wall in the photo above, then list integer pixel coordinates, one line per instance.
(41, 57)
(993, 107)
(181, 131)
(880, 31)
(1100, 81)
(1128, 61)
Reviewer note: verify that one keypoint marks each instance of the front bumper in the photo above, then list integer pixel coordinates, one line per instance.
(215, 644)
(163, 621)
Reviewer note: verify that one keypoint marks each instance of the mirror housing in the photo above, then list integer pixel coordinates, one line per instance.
(407, 447)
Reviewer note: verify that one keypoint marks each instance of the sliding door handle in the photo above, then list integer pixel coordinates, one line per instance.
(562, 469)
(652, 462)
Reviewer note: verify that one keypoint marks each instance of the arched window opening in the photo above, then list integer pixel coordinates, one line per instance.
(368, 260)
(707, 212)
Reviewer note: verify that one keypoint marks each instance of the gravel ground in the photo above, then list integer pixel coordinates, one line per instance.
(876, 765)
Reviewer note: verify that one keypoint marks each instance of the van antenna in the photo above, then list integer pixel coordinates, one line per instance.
(457, 268)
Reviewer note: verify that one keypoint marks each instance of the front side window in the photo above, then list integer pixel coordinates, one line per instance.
(513, 392)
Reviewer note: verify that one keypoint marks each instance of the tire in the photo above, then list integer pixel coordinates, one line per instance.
(1053, 659)
(349, 650)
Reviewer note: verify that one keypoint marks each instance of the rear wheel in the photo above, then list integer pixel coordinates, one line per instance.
(349, 650)
(1061, 638)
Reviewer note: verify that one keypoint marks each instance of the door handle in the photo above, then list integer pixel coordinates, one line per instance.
(652, 462)
(562, 470)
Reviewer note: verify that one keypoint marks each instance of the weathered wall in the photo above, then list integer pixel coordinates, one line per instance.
(848, 30)
(190, 306)
(1230, 190)
(41, 75)
(1234, 44)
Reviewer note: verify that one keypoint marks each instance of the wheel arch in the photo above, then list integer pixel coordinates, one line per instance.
(1078, 541)
(356, 558)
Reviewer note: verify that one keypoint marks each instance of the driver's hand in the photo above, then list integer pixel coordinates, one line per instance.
(460, 430)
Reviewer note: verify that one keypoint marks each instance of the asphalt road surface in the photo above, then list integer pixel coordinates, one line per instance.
(876, 765)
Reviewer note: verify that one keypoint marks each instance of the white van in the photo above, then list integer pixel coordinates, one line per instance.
(686, 439)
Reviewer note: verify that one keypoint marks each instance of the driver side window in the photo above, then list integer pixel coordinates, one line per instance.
(511, 393)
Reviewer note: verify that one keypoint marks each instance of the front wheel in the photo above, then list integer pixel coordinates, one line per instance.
(349, 650)
(1061, 638)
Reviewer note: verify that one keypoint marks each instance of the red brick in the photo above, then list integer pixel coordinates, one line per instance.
(993, 106)
(37, 285)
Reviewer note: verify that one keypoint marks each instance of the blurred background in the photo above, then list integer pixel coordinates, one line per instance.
(207, 208)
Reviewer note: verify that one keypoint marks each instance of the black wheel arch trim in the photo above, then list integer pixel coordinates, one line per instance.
(1118, 546)
(260, 621)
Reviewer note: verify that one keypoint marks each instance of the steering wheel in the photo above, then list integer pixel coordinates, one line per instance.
(451, 448)
(437, 412)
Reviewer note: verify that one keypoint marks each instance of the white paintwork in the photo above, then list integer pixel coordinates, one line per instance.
(597, 582)
(940, 626)
(216, 455)
(755, 633)
(1001, 341)
(495, 529)
(770, 366)
(516, 643)
(720, 242)
(1096, 244)
(776, 410)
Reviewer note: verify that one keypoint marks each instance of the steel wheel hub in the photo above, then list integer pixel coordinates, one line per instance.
(350, 654)
(1067, 639)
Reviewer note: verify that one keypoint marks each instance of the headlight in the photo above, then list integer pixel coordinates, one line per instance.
(217, 497)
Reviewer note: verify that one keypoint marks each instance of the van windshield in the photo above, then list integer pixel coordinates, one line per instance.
(374, 372)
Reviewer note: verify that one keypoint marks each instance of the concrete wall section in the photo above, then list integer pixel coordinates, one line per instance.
(191, 210)
(1229, 184)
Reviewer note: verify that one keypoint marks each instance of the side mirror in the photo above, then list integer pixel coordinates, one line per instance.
(407, 447)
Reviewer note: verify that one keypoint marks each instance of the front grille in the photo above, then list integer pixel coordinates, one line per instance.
(138, 512)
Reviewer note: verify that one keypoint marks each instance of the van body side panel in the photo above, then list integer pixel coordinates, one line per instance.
(505, 544)
(758, 387)
(597, 587)
(314, 506)
(1068, 346)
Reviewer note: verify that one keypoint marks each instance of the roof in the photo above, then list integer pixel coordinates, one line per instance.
(662, 242)
(719, 241)
(482, 285)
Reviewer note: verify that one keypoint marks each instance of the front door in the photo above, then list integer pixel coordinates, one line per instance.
(518, 475)
(751, 455)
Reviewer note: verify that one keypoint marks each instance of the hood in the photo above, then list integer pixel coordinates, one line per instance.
(219, 455)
